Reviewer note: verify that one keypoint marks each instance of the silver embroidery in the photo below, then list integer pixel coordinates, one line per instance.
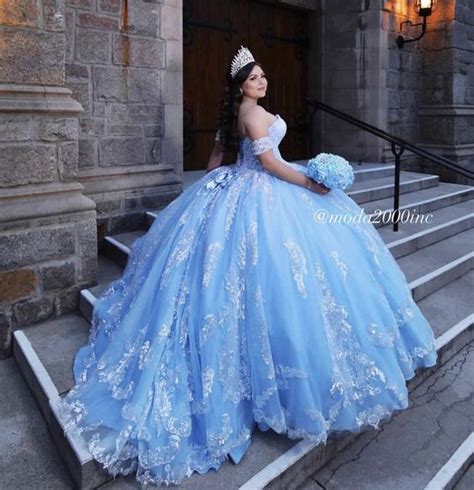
(297, 264)
(340, 264)
(261, 145)
(213, 250)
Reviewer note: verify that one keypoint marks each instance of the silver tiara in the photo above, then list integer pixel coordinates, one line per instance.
(242, 58)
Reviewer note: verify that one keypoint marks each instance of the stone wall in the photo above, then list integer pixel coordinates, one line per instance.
(446, 115)
(48, 248)
(430, 84)
(347, 66)
(124, 64)
(403, 79)
(422, 93)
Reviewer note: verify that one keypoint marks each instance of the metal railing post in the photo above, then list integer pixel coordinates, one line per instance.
(396, 193)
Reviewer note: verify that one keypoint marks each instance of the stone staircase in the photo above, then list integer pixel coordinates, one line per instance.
(437, 258)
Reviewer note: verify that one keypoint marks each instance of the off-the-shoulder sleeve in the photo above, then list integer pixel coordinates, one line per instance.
(218, 135)
(261, 145)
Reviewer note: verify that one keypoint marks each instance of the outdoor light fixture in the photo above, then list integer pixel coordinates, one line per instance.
(423, 8)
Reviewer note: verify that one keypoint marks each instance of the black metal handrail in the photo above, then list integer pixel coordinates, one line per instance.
(398, 146)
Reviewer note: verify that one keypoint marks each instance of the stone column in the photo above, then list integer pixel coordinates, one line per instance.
(124, 64)
(347, 72)
(47, 226)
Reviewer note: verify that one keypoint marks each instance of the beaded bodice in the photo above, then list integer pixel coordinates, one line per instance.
(250, 149)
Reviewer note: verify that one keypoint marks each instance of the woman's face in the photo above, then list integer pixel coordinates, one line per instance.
(256, 84)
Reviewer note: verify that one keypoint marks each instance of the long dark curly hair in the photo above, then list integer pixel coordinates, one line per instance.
(229, 107)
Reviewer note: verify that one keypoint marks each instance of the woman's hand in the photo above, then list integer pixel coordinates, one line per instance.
(316, 187)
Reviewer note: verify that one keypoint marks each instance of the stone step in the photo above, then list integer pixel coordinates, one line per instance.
(435, 432)
(367, 191)
(432, 256)
(44, 354)
(362, 172)
(453, 473)
(441, 309)
(436, 279)
(420, 202)
(107, 271)
(416, 234)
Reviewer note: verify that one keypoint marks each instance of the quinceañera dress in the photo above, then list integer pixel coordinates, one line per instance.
(238, 309)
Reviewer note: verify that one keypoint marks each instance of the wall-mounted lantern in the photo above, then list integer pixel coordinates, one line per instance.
(424, 8)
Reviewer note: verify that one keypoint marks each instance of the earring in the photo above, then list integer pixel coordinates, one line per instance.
(241, 91)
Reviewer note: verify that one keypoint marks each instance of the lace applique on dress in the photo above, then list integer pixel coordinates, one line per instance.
(260, 145)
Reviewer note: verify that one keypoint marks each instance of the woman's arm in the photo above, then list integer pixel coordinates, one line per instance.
(216, 157)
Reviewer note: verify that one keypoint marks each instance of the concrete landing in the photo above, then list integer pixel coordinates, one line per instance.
(411, 447)
(28, 456)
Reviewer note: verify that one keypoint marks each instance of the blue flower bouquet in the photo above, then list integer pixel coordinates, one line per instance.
(333, 171)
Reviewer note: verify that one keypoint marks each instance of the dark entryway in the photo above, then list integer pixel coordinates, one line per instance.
(278, 38)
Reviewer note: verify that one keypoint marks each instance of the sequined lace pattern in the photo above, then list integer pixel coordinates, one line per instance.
(237, 311)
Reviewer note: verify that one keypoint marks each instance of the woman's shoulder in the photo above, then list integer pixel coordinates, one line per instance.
(256, 116)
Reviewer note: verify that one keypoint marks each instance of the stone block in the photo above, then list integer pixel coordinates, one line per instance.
(33, 310)
(17, 284)
(154, 130)
(99, 109)
(92, 46)
(121, 151)
(57, 276)
(32, 57)
(69, 32)
(82, 4)
(174, 121)
(23, 248)
(126, 130)
(68, 160)
(172, 150)
(27, 164)
(140, 113)
(172, 87)
(92, 127)
(87, 236)
(53, 15)
(14, 127)
(439, 62)
(115, 84)
(174, 55)
(73, 70)
(118, 113)
(6, 325)
(171, 23)
(144, 19)
(87, 153)
(80, 92)
(21, 13)
(153, 151)
(97, 21)
(56, 129)
(110, 6)
(66, 302)
(135, 51)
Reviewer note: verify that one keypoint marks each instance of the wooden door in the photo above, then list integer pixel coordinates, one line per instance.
(213, 31)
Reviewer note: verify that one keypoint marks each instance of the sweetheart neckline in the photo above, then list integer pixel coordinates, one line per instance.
(277, 116)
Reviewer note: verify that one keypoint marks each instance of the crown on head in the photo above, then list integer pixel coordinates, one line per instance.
(242, 58)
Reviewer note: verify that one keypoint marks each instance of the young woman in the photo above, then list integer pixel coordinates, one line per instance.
(242, 308)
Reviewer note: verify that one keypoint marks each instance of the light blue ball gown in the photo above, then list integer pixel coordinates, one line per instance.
(238, 309)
